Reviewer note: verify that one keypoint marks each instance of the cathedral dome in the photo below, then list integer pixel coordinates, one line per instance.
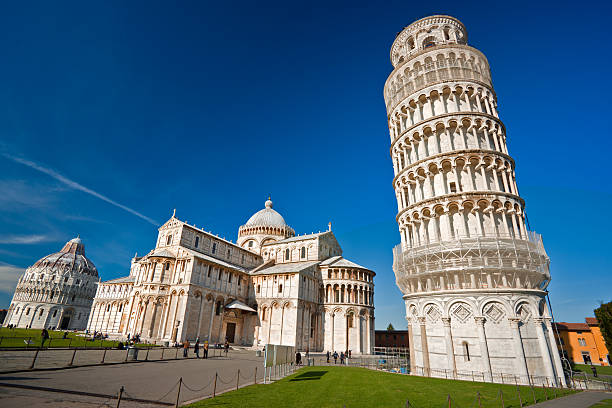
(264, 226)
(266, 218)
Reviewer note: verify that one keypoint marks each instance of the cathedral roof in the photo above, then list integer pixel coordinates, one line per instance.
(266, 218)
(340, 262)
(283, 268)
(300, 237)
(70, 259)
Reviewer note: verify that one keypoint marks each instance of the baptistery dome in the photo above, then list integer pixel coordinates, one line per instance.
(57, 291)
(264, 226)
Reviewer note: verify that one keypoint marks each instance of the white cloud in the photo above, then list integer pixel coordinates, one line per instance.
(22, 239)
(9, 274)
(73, 184)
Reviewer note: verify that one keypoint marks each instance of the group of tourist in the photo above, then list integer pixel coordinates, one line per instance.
(205, 346)
(343, 356)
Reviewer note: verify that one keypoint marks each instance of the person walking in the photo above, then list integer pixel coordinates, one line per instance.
(185, 348)
(335, 355)
(206, 349)
(327, 355)
(44, 336)
(196, 348)
(226, 347)
(342, 357)
(298, 358)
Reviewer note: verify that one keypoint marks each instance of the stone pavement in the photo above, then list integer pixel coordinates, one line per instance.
(580, 400)
(151, 381)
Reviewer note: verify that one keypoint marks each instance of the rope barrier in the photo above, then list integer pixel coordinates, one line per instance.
(199, 389)
(166, 394)
(225, 382)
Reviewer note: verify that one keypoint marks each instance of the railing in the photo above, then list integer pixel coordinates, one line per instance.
(502, 251)
(46, 358)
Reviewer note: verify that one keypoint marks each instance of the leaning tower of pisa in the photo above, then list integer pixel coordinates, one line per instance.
(473, 276)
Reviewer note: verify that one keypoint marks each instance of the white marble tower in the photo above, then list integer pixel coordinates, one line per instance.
(473, 277)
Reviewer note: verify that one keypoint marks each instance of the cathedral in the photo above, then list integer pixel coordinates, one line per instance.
(271, 286)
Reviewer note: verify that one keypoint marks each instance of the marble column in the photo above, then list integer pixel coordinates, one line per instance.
(411, 347)
(544, 351)
(484, 348)
(519, 353)
(450, 351)
(424, 347)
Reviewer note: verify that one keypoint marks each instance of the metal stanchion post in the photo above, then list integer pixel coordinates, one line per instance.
(127, 351)
(533, 394)
(238, 379)
(448, 399)
(176, 354)
(501, 397)
(119, 397)
(147, 355)
(255, 374)
(478, 396)
(215, 386)
(178, 393)
(34, 359)
(103, 356)
(163, 349)
(518, 391)
(73, 354)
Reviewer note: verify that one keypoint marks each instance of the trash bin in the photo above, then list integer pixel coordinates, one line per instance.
(132, 353)
(166, 344)
(257, 353)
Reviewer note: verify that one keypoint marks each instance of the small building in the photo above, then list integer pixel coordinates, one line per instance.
(582, 343)
(391, 338)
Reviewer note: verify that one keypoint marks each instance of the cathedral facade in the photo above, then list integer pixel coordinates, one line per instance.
(271, 286)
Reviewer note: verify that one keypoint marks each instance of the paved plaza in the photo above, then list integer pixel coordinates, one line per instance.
(153, 381)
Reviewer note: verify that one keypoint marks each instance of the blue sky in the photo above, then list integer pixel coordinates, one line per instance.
(111, 115)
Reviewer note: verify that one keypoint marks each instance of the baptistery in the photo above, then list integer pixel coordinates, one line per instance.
(473, 276)
(56, 292)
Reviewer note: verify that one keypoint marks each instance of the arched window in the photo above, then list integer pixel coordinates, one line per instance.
(287, 254)
(250, 244)
(349, 320)
(197, 241)
(108, 308)
(303, 253)
(263, 314)
(466, 351)
(121, 307)
(218, 309)
(280, 287)
(54, 312)
(258, 288)
(214, 247)
(169, 239)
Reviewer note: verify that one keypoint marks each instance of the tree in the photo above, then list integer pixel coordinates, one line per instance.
(604, 317)
(390, 327)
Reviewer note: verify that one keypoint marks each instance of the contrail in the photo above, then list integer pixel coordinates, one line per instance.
(77, 186)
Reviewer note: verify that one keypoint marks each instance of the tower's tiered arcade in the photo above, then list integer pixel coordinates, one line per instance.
(472, 275)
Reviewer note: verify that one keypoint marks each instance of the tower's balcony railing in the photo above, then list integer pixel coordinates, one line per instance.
(472, 263)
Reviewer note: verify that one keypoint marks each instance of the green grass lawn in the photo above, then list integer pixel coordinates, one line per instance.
(360, 387)
(586, 368)
(13, 338)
